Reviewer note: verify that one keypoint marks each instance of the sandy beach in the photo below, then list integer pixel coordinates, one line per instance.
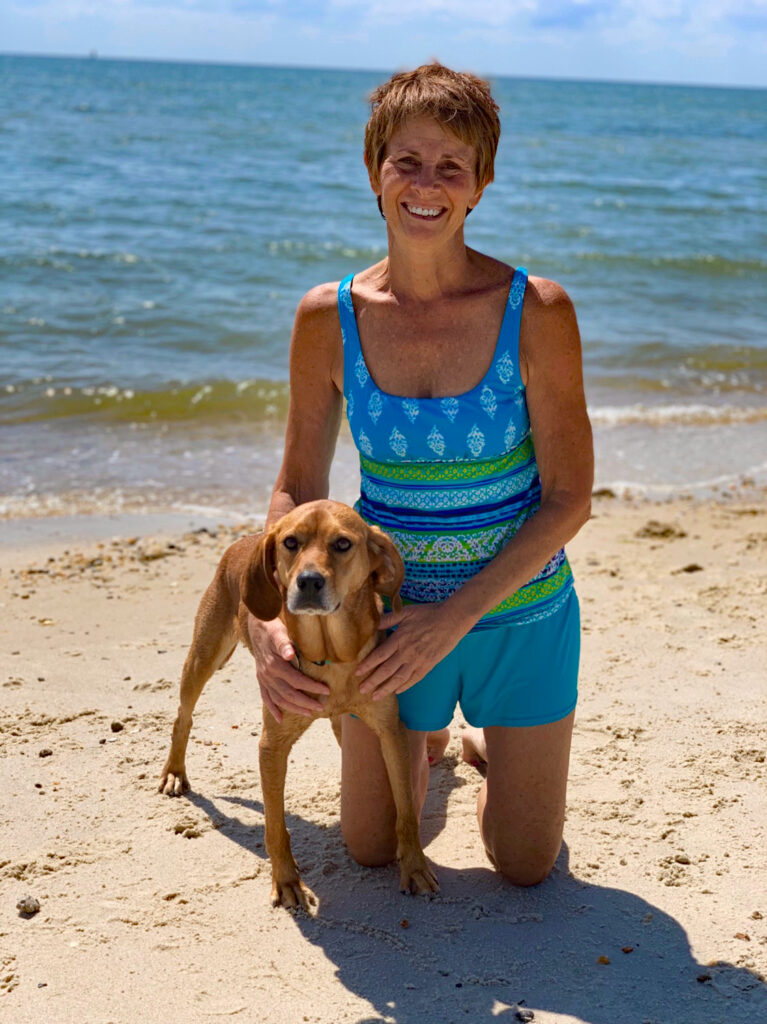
(154, 909)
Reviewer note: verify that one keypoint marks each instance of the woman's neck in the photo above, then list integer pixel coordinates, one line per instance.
(425, 275)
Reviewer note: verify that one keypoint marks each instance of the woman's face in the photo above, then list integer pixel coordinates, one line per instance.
(427, 180)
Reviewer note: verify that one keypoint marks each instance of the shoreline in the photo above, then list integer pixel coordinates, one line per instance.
(197, 473)
(75, 521)
(224, 468)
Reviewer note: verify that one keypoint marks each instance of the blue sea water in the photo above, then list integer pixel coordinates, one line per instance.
(159, 223)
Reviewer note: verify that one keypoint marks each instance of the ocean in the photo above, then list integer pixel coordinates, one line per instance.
(159, 223)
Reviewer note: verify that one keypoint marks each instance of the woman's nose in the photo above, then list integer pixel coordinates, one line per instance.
(426, 176)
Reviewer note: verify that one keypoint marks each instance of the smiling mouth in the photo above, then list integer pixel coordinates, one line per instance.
(424, 212)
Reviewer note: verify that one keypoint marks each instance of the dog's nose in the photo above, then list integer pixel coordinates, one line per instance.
(313, 582)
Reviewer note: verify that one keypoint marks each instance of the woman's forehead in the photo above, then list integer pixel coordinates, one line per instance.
(426, 133)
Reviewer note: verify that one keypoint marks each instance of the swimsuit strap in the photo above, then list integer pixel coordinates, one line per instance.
(351, 340)
(506, 357)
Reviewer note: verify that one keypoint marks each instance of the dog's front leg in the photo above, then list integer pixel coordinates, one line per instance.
(274, 746)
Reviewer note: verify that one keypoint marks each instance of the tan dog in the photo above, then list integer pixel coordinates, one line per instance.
(320, 568)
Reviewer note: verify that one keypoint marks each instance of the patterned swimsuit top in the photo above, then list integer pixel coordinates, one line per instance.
(451, 480)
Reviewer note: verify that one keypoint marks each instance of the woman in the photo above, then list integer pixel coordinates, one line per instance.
(451, 363)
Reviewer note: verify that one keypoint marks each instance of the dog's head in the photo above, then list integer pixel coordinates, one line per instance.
(316, 556)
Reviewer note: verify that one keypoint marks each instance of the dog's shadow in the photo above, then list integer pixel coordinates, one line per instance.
(482, 948)
(312, 842)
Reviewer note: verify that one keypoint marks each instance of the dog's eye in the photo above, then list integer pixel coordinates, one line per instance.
(342, 544)
(290, 543)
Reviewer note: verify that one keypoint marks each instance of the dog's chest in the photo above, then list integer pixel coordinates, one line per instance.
(330, 649)
(344, 685)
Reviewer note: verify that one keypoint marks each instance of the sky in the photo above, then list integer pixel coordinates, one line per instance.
(691, 41)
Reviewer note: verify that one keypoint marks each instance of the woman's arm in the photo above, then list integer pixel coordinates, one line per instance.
(550, 354)
(314, 415)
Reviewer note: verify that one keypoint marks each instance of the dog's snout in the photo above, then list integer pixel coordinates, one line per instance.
(310, 582)
(312, 593)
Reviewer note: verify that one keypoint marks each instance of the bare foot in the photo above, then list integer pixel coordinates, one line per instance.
(436, 742)
(474, 747)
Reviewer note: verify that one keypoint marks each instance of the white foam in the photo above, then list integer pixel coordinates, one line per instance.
(755, 475)
(665, 415)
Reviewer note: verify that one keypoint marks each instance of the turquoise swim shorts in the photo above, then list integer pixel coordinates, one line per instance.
(511, 675)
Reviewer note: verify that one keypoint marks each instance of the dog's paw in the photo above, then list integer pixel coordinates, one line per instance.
(173, 783)
(292, 894)
(417, 877)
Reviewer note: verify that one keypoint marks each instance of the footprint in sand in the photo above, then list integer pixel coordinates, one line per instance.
(159, 684)
(9, 979)
(656, 530)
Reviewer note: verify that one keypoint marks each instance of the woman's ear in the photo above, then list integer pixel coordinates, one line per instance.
(387, 570)
(258, 590)
(374, 176)
(475, 200)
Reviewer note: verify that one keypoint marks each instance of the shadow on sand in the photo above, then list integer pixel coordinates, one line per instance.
(483, 947)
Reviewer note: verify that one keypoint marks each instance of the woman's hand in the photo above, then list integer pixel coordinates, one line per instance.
(425, 634)
(283, 687)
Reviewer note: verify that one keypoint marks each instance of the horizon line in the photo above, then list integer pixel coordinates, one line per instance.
(94, 55)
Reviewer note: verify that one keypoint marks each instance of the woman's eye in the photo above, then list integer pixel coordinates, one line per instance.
(290, 543)
(342, 544)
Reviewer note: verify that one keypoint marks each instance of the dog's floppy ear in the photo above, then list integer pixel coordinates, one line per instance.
(387, 569)
(257, 587)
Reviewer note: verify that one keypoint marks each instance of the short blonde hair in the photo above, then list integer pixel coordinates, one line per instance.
(457, 100)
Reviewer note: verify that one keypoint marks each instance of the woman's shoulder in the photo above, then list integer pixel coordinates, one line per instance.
(316, 327)
(319, 301)
(549, 327)
(317, 322)
(546, 298)
(315, 347)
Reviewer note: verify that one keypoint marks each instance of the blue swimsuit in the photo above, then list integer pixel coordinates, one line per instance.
(451, 480)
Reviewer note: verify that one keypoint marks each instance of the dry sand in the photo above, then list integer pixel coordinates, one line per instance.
(157, 910)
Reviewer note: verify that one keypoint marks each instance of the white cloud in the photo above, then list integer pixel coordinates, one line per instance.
(491, 12)
(687, 16)
(692, 13)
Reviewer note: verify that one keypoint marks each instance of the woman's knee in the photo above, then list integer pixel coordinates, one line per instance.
(368, 813)
(523, 865)
(368, 849)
